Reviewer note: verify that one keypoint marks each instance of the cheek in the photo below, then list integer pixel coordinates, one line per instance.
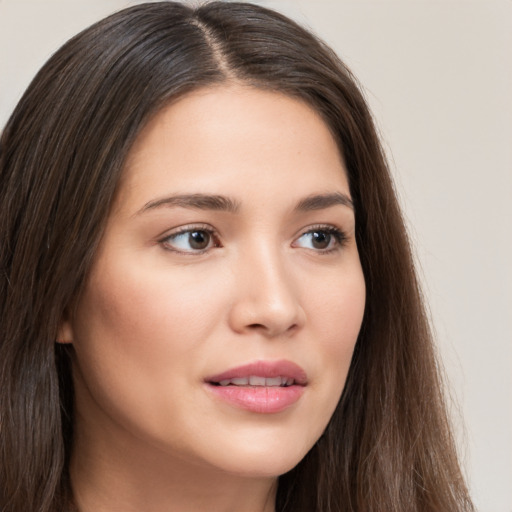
(337, 310)
(133, 341)
(135, 310)
(137, 333)
(336, 318)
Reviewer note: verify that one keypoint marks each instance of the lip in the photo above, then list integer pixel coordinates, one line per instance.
(260, 399)
(267, 369)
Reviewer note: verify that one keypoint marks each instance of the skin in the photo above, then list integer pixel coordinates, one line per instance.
(158, 316)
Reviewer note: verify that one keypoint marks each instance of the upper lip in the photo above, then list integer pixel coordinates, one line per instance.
(267, 369)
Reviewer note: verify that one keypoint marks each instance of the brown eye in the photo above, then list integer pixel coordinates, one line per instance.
(199, 239)
(320, 239)
(190, 241)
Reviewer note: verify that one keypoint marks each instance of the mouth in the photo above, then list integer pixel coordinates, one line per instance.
(257, 380)
(261, 387)
(280, 373)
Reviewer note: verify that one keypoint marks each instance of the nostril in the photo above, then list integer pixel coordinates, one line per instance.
(270, 330)
(262, 316)
(256, 326)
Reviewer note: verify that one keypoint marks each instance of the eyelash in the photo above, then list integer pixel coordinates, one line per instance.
(191, 229)
(338, 234)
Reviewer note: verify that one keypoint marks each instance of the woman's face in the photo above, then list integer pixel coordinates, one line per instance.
(219, 318)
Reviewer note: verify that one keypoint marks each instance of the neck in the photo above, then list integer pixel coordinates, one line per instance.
(115, 473)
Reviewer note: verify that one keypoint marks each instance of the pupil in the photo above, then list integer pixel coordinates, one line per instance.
(321, 239)
(199, 239)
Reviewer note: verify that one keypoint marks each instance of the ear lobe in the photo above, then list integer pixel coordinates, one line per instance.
(65, 332)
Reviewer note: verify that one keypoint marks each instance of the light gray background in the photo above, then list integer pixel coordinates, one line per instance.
(438, 75)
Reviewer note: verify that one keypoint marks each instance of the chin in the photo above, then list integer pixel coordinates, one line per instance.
(263, 461)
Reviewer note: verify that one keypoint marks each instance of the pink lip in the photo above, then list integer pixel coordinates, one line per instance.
(266, 369)
(260, 399)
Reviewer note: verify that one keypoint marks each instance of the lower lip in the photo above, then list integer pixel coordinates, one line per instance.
(260, 399)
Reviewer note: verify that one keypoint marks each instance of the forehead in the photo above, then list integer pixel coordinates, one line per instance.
(229, 139)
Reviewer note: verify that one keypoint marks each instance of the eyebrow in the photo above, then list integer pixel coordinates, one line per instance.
(226, 204)
(195, 201)
(322, 201)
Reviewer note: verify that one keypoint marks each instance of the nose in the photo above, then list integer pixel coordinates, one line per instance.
(266, 297)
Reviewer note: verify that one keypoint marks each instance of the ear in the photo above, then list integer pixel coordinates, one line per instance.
(65, 331)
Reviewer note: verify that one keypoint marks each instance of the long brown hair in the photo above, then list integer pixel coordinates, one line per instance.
(388, 446)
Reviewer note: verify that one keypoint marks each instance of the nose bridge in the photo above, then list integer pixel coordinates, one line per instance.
(271, 277)
(267, 298)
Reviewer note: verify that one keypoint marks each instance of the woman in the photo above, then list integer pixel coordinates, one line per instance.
(208, 298)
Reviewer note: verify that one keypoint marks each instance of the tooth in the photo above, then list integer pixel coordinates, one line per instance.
(256, 380)
(240, 381)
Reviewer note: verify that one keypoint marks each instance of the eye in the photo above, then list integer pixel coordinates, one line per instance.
(191, 240)
(321, 239)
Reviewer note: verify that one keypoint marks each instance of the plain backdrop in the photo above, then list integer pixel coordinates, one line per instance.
(438, 76)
